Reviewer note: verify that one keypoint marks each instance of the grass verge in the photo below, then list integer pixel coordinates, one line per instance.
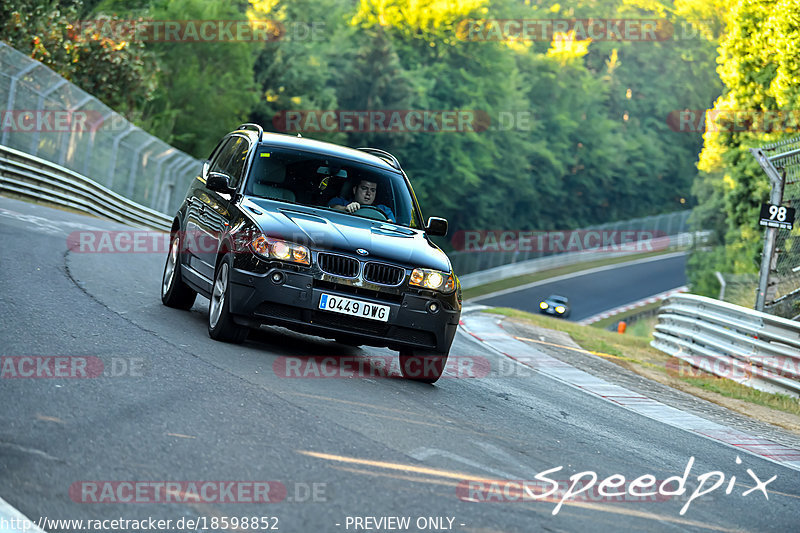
(516, 281)
(604, 323)
(635, 353)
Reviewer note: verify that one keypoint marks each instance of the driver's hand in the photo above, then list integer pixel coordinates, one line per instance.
(352, 207)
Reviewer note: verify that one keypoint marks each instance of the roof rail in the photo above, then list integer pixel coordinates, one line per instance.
(386, 156)
(250, 126)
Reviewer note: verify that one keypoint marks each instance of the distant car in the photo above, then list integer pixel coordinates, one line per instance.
(259, 234)
(555, 305)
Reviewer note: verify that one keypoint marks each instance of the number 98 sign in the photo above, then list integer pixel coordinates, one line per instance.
(776, 216)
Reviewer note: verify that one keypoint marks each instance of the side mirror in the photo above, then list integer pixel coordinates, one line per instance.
(206, 166)
(437, 227)
(216, 181)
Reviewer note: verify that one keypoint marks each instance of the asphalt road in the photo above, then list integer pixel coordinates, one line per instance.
(175, 406)
(598, 291)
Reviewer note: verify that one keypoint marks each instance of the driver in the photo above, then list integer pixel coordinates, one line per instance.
(364, 194)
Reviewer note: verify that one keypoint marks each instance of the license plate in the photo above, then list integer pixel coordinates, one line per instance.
(348, 306)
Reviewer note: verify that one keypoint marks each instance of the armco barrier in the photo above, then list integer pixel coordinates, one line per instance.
(756, 349)
(34, 178)
(522, 268)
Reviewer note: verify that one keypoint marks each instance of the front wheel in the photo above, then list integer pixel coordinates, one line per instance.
(420, 366)
(174, 292)
(221, 326)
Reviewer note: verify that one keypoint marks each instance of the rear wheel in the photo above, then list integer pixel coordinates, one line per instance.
(174, 292)
(426, 367)
(221, 326)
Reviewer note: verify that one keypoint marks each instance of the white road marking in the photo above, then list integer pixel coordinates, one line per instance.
(487, 327)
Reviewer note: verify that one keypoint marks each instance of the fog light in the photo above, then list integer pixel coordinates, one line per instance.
(433, 307)
(277, 277)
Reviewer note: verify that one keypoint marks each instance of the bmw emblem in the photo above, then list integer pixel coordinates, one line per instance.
(362, 251)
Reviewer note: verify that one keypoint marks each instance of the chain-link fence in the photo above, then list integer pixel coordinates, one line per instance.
(783, 293)
(49, 117)
(483, 249)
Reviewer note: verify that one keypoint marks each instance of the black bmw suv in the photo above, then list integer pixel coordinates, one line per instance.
(318, 238)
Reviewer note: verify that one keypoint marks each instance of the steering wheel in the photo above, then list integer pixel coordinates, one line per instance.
(370, 211)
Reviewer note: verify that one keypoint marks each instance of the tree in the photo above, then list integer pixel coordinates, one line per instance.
(119, 72)
(758, 65)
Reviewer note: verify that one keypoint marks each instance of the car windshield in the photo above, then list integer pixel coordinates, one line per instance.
(321, 181)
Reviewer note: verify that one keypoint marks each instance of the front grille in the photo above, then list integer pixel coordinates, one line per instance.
(338, 265)
(383, 274)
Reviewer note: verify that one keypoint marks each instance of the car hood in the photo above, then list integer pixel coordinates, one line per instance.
(322, 229)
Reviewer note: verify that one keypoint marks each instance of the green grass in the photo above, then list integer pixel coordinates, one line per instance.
(551, 273)
(635, 353)
(604, 323)
(731, 389)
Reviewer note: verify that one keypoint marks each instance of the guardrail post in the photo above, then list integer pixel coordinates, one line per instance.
(134, 165)
(112, 165)
(12, 94)
(88, 158)
(34, 149)
(62, 151)
(171, 173)
(181, 170)
(169, 154)
(775, 198)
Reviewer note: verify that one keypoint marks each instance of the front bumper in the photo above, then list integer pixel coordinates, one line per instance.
(293, 302)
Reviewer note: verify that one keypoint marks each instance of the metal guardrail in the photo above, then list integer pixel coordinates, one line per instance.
(34, 178)
(530, 266)
(47, 116)
(488, 254)
(753, 348)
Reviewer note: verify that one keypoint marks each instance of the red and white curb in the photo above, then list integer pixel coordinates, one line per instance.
(633, 305)
(489, 331)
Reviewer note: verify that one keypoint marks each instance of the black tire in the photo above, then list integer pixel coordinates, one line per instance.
(174, 292)
(425, 367)
(221, 326)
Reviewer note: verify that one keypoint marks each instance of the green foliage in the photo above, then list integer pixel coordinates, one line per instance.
(758, 64)
(205, 89)
(118, 72)
(567, 133)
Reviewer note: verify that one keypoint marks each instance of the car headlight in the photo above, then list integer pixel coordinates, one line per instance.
(560, 309)
(432, 279)
(543, 305)
(281, 250)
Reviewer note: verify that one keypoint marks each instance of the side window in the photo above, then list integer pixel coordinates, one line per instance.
(238, 159)
(223, 156)
(231, 159)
